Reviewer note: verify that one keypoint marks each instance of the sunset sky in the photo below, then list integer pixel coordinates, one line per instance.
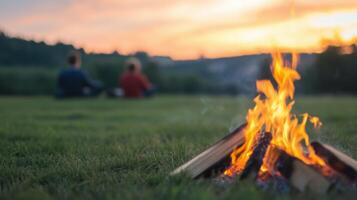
(183, 29)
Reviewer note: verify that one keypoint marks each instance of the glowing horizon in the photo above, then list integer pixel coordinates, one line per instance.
(183, 30)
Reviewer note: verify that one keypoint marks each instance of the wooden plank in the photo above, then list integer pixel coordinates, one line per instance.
(214, 157)
(301, 176)
(337, 160)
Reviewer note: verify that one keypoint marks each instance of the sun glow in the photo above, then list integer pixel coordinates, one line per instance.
(181, 29)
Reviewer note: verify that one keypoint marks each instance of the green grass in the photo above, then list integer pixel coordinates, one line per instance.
(117, 149)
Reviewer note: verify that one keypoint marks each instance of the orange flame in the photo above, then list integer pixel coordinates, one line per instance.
(272, 114)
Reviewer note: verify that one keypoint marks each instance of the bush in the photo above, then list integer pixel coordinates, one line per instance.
(334, 72)
(107, 73)
(27, 81)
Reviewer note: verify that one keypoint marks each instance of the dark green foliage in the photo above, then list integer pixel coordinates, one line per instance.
(265, 72)
(119, 149)
(19, 52)
(107, 73)
(152, 71)
(334, 72)
(29, 68)
(27, 81)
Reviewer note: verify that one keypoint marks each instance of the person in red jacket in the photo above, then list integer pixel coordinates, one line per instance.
(133, 82)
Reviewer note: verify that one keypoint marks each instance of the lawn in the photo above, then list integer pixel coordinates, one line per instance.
(117, 149)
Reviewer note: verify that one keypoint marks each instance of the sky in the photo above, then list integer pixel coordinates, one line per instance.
(183, 29)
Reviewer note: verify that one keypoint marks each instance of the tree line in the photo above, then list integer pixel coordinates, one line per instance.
(30, 68)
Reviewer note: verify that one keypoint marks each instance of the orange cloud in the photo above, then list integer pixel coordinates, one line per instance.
(185, 29)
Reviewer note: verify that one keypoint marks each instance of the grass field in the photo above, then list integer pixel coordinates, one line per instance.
(117, 149)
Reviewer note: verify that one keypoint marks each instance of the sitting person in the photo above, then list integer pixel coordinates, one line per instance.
(74, 82)
(133, 82)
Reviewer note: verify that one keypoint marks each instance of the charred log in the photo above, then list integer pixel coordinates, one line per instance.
(275, 182)
(337, 160)
(255, 161)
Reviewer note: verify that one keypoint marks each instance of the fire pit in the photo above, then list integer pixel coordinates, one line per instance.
(273, 145)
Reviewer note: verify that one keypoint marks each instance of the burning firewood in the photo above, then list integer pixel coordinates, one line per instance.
(273, 146)
(337, 160)
(302, 176)
(215, 158)
(256, 159)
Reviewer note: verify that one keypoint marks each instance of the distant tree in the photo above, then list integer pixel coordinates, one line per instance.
(107, 73)
(142, 56)
(335, 72)
(265, 72)
(152, 71)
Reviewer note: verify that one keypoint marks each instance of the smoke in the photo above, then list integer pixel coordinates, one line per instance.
(209, 106)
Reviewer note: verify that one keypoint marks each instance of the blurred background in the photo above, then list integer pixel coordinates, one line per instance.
(186, 47)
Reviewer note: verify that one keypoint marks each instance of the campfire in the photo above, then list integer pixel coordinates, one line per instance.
(273, 147)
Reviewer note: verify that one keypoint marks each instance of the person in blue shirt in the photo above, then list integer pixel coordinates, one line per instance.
(74, 82)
